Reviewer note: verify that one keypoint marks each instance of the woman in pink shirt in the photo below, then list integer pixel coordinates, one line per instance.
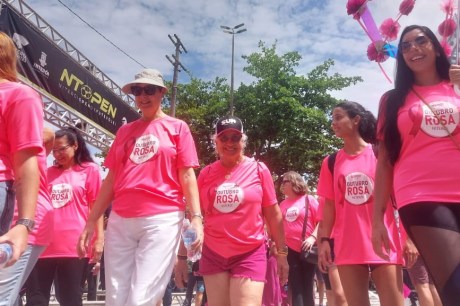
(419, 157)
(151, 171)
(237, 193)
(74, 182)
(12, 278)
(21, 127)
(301, 273)
(349, 200)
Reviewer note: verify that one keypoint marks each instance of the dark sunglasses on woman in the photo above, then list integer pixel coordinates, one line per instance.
(149, 90)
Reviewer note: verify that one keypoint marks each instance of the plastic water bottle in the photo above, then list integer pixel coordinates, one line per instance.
(6, 252)
(189, 236)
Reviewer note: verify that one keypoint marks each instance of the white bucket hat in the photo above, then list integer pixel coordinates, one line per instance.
(146, 76)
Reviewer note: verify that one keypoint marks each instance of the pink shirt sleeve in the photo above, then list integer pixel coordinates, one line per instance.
(21, 123)
(24, 120)
(268, 187)
(326, 182)
(93, 182)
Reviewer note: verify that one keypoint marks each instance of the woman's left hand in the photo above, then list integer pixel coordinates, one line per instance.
(197, 224)
(181, 273)
(380, 240)
(283, 268)
(308, 243)
(17, 237)
(98, 248)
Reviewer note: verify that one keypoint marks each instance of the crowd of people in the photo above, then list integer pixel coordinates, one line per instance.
(387, 200)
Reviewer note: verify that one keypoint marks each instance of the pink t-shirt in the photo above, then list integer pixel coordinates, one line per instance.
(44, 224)
(352, 190)
(428, 166)
(146, 158)
(72, 191)
(293, 210)
(232, 206)
(21, 123)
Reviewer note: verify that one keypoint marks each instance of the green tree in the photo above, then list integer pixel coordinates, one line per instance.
(200, 104)
(286, 115)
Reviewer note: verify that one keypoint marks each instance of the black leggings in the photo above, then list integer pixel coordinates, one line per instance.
(435, 230)
(301, 280)
(68, 272)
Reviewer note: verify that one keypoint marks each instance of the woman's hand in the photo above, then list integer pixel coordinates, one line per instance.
(197, 224)
(98, 248)
(324, 258)
(283, 268)
(308, 243)
(410, 253)
(85, 238)
(181, 273)
(17, 238)
(380, 240)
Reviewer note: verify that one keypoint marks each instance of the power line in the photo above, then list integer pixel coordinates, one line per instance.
(100, 34)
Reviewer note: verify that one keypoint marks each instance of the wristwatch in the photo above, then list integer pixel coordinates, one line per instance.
(28, 223)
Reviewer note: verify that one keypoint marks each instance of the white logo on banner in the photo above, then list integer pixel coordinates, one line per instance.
(20, 42)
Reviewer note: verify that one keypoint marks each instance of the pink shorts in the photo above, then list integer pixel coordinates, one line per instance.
(252, 265)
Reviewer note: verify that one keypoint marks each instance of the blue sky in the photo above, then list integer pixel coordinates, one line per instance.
(318, 30)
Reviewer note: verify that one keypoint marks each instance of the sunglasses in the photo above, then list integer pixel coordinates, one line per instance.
(285, 181)
(420, 41)
(149, 90)
(60, 150)
(232, 138)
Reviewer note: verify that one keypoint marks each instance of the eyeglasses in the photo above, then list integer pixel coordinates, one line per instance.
(149, 90)
(60, 150)
(420, 41)
(232, 138)
(285, 181)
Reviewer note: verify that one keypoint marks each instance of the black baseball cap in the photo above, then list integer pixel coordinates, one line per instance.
(229, 123)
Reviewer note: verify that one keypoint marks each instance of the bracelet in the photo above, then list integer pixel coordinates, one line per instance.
(283, 251)
(325, 239)
(313, 236)
(198, 215)
(182, 257)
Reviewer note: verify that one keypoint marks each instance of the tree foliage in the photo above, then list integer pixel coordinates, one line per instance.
(286, 115)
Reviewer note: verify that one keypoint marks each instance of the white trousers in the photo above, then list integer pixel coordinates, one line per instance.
(140, 254)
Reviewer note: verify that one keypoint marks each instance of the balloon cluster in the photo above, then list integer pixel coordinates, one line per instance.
(447, 28)
(380, 49)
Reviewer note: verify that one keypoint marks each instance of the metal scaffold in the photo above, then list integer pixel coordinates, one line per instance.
(57, 112)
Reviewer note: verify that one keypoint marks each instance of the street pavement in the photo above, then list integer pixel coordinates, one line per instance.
(178, 299)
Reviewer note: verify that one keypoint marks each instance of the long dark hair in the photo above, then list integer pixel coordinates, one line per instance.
(394, 99)
(82, 154)
(367, 124)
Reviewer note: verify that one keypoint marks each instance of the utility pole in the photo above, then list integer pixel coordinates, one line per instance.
(176, 63)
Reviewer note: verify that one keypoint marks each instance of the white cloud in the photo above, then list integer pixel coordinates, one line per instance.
(317, 29)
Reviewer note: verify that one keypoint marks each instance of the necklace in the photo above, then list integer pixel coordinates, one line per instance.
(230, 169)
